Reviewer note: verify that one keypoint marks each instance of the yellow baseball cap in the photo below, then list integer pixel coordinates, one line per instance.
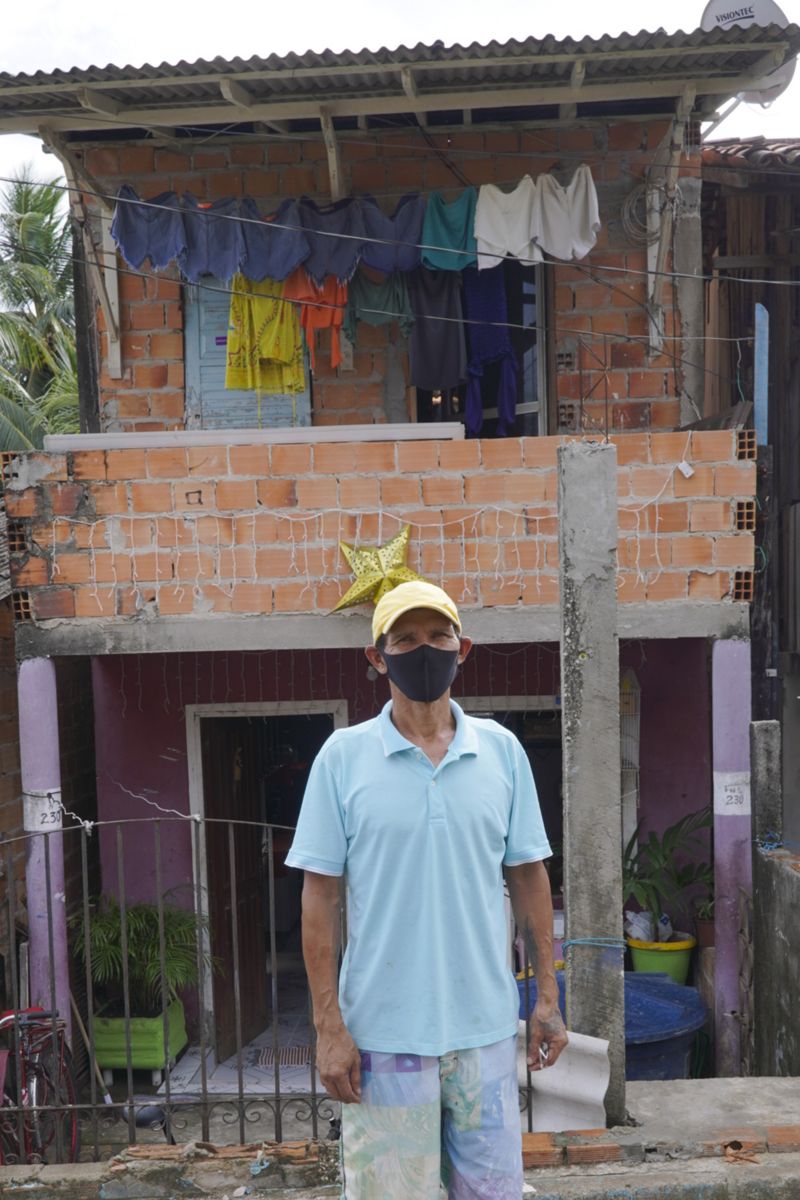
(404, 597)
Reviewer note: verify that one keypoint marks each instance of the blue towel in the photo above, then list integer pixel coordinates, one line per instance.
(402, 231)
(214, 242)
(451, 227)
(271, 253)
(329, 255)
(141, 232)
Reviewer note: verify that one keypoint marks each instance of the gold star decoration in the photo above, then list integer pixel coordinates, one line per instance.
(377, 570)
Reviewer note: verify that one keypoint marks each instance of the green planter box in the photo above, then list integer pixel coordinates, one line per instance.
(147, 1040)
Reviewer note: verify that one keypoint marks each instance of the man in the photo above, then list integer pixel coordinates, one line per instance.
(423, 810)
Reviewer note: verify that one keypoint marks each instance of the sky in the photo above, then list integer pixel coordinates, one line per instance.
(45, 35)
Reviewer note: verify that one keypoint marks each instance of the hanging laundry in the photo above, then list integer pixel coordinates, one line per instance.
(451, 229)
(377, 303)
(399, 235)
(272, 251)
(320, 308)
(214, 242)
(489, 341)
(335, 236)
(504, 224)
(143, 232)
(566, 219)
(437, 351)
(265, 345)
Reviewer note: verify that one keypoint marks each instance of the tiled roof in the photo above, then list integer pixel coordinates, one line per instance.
(769, 153)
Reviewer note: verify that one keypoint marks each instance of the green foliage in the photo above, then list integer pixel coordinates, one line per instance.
(651, 872)
(181, 930)
(38, 374)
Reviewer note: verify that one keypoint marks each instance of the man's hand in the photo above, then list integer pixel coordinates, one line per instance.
(339, 1066)
(548, 1034)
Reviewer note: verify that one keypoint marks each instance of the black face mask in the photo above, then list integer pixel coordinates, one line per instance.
(423, 674)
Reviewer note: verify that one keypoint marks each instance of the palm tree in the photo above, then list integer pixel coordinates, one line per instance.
(38, 375)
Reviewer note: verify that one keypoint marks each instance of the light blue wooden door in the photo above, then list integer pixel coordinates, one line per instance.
(209, 404)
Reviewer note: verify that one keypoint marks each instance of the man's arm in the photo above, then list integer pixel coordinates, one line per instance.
(529, 889)
(338, 1059)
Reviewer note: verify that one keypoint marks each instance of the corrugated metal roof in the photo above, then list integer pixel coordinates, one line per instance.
(625, 67)
(754, 152)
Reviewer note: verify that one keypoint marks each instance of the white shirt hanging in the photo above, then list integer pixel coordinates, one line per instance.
(566, 220)
(504, 223)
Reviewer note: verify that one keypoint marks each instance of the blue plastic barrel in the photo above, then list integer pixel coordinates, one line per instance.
(661, 1021)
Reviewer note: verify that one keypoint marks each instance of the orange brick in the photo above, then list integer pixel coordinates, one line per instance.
(146, 316)
(166, 463)
(207, 462)
(89, 464)
(713, 445)
(709, 585)
(530, 487)
(701, 483)
(783, 1139)
(442, 489)
(631, 587)
(166, 345)
(32, 573)
(710, 516)
(643, 553)
(667, 585)
(736, 550)
(174, 601)
(540, 1150)
(249, 460)
(540, 589)
(358, 491)
(193, 495)
(671, 518)
(126, 464)
(500, 591)
(169, 404)
(738, 480)
(692, 551)
(485, 489)
(22, 504)
(236, 494)
(597, 1153)
(647, 483)
(290, 460)
(400, 489)
(252, 598)
(278, 562)
(375, 457)
(314, 493)
(150, 375)
(109, 498)
(459, 455)
(214, 531)
(95, 602)
(54, 602)
(501, 453)
(669, 447)
(335, 458)
(293, 597)
(151, 497)
(417, 456)
(632, 448)
(540, 452)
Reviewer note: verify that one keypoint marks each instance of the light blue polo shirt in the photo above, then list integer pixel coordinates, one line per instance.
(425, 970)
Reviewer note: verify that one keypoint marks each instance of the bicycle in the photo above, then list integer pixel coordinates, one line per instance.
(38, 1114)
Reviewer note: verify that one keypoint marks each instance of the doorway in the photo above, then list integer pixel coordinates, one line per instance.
(248, 769)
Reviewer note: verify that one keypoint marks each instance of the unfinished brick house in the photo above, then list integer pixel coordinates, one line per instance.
(187, 543)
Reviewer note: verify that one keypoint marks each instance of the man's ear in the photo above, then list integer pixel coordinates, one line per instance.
(375, 659)
(466, 646)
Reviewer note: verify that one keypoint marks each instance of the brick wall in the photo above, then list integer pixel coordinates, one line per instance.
(256, 529)
(609, 381)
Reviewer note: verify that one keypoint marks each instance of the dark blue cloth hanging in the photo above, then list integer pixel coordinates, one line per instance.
(143, 232)
(488, 341)
(271, 252)
(400, 235)
(337, 255)
(214, 241)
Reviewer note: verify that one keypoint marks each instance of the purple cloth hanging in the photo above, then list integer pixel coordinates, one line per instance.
(153, 229)
(488, 341)
(399, 235)
(332, 255)
(214, 242)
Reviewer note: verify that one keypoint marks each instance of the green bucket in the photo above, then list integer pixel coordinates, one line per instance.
(667, 958)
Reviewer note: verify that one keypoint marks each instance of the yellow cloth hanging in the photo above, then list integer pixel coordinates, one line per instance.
(265, 344)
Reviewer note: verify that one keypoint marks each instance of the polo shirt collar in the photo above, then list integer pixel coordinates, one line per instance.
(465, 740)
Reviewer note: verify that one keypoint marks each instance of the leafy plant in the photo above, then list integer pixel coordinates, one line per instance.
(181, 929)
(651, 874)
(705, 909)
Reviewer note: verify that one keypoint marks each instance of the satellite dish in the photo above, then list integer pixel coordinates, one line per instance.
(721, 14)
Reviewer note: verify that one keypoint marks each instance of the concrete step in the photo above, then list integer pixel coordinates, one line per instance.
(772, 1177)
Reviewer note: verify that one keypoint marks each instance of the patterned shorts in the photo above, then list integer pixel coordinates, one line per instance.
(433, 1127)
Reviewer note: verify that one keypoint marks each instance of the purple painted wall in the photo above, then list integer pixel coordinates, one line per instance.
(141, 732)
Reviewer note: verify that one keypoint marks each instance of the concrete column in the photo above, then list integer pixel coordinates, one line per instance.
(41, 787)
(730, 693)
(587, 511)
(690, 296)
(766, 789)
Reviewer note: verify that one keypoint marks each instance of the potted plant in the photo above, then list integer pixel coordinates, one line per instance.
(149, 1048)
(653, 878)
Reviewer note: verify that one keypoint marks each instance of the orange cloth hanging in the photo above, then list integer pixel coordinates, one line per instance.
(320, 308)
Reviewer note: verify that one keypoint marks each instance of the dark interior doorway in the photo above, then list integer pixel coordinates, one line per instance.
(254, 773)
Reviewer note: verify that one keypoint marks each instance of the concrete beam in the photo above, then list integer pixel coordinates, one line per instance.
(587, 544)
(165, 635)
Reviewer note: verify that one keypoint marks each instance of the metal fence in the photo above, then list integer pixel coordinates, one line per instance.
(161, 908)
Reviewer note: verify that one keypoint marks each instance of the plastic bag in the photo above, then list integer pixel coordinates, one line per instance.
(639, 925)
